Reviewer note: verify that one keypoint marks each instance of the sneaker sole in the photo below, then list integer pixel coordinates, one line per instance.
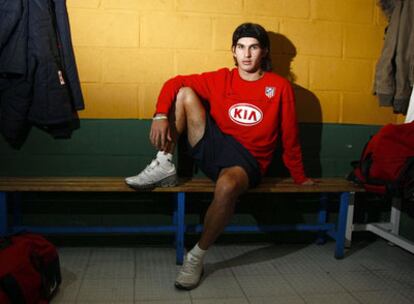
(181, 287)
(178, 286)
(170, 181)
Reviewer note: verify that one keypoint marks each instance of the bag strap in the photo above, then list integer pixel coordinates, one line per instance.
(12, 289)
(365, 166)
(408, 165)
(49, 274)
(365, 163)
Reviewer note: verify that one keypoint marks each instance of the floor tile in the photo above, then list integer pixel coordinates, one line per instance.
(372, 272)
(105, 302)
(246, 260)
(407, 292)
(336, 298)
(158, 287)
(317, 252)
(154, 255)
(316, 283)
(107, 290)
(346, 264)
(219, 269)
(221, 301)
(164, 302)
(155, 260)
(397, 279)
(277, 300)
(301, 260)
(255, 269)
(262, 253)
(74, 259)
(382, 297)
(110, 269)
(296, 265)
(111, 254)
(69, 288)
(265, 286)
(360, 281)
(379, 255)
(217, 288)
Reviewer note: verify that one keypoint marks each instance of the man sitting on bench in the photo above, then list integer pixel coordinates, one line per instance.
(233, 120)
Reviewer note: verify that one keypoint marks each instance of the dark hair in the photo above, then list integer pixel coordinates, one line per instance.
(257, 31)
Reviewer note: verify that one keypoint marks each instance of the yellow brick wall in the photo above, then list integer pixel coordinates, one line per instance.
(126, 49)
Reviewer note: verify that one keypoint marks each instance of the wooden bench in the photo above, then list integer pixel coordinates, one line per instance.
(345, 190)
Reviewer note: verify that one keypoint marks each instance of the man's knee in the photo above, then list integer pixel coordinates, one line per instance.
(185, 95)
(231, 186)
(191, 111)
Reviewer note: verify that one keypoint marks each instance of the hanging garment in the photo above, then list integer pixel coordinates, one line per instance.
(410, 112)
(45, 95)
(15, 90)
(13, 37)
(394, 75)
(66, 52)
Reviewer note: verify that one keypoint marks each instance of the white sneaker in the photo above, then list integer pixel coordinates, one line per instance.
(190, 273)
(154, 175)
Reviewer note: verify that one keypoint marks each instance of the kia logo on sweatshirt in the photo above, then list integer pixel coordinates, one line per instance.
(245, 114)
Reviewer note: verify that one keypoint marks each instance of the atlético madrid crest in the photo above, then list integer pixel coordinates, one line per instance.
(270, 92)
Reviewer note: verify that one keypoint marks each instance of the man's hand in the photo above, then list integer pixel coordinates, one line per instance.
(160, 134)
(308, 182)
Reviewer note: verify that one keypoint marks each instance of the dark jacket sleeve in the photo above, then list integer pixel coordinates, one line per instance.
(68, 56)
(13, 34)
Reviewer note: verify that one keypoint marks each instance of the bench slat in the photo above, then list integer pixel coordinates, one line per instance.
(117, 184)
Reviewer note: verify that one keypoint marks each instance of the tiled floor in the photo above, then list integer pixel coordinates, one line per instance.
(372, 272)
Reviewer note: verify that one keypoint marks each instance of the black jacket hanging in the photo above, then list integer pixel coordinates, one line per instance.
(45, 95)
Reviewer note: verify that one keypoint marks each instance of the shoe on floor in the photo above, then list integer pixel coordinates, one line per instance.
(190, 273)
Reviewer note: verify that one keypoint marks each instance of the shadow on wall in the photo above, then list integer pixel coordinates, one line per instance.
(308, 109)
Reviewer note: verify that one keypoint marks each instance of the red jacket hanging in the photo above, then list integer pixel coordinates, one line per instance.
(253, 112)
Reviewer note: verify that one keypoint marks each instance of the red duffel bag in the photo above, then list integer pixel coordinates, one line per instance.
(29, 269)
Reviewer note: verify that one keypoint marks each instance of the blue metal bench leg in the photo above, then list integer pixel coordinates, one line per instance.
(322, 217)
(341, 229)
(180, 224)
(3, 214)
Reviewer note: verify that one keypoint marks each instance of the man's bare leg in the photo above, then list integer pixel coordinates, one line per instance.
(188, 113)
(231, 183)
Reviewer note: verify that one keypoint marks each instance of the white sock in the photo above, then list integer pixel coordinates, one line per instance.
(164, 157)
(197, 253)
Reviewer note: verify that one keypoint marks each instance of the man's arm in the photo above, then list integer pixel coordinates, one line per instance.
(160, 134)
(292, 152)
(198, 82)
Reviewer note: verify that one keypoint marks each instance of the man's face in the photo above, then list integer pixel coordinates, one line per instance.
(248, 54)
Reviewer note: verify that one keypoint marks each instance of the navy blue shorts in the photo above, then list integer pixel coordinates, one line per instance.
(216, 151)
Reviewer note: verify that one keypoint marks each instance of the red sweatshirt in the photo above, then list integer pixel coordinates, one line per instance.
(255, 113)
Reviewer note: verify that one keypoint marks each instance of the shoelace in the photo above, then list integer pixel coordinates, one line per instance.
(190, 266)
(154, 163)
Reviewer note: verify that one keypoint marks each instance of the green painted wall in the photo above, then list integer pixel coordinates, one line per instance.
(121, 147)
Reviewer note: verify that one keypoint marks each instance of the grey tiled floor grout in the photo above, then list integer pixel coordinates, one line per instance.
(240, 273)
